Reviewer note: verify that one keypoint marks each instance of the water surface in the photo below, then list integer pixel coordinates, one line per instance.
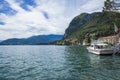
(56, 63)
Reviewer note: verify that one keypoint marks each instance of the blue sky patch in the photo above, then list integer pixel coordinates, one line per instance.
(6, 9)
(2, 23)
(25, 4)
(45, 14)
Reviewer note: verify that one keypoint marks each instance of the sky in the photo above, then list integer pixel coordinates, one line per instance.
(25, 18)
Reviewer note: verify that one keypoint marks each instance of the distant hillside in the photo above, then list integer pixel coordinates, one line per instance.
(1, 40)
(34, 40)
(93, 25)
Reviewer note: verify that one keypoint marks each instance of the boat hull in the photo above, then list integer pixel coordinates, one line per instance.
(101, 51)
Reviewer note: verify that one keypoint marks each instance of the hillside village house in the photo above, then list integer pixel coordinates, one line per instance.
(85, 42)
(110, 39)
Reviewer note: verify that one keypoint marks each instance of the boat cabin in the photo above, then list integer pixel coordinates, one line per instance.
(100, 46)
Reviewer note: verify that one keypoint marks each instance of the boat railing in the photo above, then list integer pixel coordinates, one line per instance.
(103, 47)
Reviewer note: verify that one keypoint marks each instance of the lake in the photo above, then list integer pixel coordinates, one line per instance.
(56, 63)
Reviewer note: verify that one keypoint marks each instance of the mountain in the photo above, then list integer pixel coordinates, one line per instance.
(34, 40)
(93, 26)
(1, 40)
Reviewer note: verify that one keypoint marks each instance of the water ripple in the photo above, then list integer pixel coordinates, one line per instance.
(56, 63)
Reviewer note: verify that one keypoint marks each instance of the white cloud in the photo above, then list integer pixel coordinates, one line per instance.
(28, 23)
(93, 5)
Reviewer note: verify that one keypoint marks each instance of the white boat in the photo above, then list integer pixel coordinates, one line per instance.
(100, 49)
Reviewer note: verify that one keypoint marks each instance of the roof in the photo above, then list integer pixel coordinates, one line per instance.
(108, 37)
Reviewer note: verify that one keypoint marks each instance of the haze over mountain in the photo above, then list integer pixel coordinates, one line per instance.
(34, 40)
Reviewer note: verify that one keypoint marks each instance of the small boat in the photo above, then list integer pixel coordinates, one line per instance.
(100, 49)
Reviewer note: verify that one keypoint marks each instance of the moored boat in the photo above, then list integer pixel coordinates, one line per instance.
(100, 49)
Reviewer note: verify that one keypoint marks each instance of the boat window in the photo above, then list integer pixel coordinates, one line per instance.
(98, 47)
(91, 45)
(101, 47)
(106, 46)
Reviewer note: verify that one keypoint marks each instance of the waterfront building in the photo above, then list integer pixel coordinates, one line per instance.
(109, 39)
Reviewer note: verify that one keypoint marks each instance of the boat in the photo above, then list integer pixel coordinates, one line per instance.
(100, 49)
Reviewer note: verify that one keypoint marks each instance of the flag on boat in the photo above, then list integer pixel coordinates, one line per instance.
(117, 30)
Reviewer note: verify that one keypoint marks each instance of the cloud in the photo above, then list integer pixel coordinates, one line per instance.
(42, 16)
(93, 5)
